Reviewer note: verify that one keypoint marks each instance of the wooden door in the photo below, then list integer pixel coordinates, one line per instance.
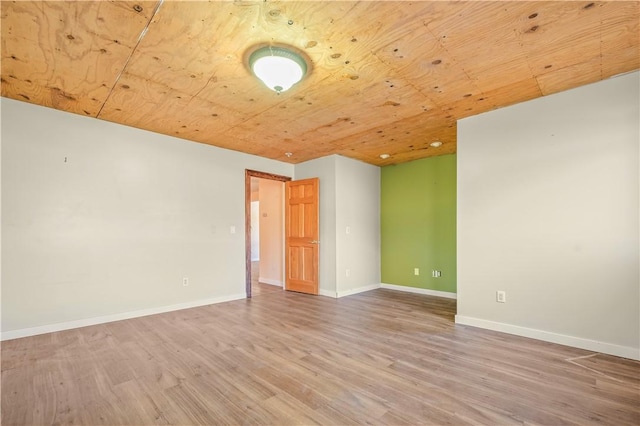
(302, 235)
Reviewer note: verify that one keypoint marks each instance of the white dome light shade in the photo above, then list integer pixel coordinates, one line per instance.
(278, 68)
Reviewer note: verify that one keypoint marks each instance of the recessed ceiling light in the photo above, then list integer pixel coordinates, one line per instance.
(279, 68)
(384, 156)
(288, 154)
(436, 144)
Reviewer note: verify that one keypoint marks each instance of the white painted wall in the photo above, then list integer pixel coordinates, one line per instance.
(271, 218)
(358, 209)
(349, 196)
(115, 227)
(548, 212)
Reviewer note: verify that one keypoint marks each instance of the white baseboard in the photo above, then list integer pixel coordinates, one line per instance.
(339, 294)
(327, 293)
(562, 339)
(51, 328)
(270, 281)
(357, 290)
(426, 291)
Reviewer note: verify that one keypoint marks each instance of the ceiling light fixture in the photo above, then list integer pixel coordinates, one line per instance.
(436, 144)
(384, 156)
(278, 68)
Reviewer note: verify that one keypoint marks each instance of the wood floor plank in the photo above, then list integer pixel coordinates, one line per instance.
(380, 357)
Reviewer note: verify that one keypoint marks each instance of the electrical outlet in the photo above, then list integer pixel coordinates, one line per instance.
(436, 273)
(501, 297)
(185, 281)
(416, 271)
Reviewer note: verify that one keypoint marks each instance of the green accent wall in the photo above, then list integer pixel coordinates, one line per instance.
(418, 223)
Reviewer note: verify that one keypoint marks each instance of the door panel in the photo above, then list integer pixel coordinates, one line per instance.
(302, 234)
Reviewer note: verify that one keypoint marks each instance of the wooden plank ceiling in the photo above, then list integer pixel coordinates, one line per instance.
(386, 77)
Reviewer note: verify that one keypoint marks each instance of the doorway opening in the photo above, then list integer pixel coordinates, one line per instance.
(264, 232)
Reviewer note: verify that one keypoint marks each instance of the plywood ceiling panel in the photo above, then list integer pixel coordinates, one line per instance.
(68, 55)
(385, 76)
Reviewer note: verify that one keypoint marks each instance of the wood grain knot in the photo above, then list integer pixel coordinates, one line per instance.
(436, 62)
(60, 92)
(137, 8)
(533, 15)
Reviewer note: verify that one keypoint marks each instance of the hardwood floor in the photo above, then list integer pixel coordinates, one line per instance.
(380, 357)
(258, 288)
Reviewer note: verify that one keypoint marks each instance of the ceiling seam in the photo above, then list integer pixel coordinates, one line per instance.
(140, 37)
(438, 105)
(533, 74)
(454, 59)
(601, 41)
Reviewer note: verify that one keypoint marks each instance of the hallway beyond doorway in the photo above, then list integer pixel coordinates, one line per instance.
(257, 287)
